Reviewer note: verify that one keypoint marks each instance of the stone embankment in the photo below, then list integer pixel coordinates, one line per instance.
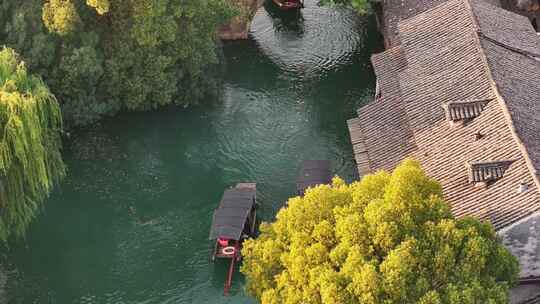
(238, 28)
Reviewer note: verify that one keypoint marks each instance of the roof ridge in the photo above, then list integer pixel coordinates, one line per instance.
(499, 98)
(363, 138)
(508, 47)
(400, 101)
(532, 299)
(356, 122)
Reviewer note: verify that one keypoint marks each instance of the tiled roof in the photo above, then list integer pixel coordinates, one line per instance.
(535, 300)
(525, 293)
(460, 51)
(384, 117)
(523, 240)
(527, 8)
(394, 11)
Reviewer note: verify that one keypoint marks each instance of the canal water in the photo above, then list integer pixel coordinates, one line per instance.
(131, 221)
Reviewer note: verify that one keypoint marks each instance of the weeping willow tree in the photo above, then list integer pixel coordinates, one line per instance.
(30, 143)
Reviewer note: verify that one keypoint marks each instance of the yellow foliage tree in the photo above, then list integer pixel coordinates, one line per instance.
(101, 6)
(389, 238)
(60, 16)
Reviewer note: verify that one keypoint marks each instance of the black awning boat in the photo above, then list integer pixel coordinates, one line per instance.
(233, 221)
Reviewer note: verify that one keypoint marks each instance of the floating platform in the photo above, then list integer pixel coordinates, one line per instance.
(313, 173)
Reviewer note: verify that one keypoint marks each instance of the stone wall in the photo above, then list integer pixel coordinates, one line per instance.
(239, 26)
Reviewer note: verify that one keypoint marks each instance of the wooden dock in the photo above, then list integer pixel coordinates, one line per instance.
(313, 173)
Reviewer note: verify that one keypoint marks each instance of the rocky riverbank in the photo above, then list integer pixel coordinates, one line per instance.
(238, 28)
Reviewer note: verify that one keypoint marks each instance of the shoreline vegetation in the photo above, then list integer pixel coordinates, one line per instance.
(100, 57)
(30, 159)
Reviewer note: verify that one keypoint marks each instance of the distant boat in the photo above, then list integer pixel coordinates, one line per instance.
(289, 4)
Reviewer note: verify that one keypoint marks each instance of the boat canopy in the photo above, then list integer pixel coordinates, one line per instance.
(230, 217)
(313, 173)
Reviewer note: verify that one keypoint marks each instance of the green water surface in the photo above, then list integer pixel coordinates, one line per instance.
(130, 223)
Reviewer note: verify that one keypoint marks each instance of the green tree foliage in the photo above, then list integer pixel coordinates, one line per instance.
(30, 160)
(102, 56)
(389, 238)
(361, 6)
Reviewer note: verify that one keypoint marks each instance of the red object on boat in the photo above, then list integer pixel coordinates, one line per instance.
(289, 4)
(223, 242)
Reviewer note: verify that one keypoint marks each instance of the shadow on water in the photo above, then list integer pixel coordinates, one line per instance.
(130, 223)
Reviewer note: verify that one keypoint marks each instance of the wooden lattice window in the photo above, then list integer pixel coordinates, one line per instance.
(487, 171)
(463, 110)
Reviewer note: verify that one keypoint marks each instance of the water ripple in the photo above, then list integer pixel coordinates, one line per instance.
(317, 41)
